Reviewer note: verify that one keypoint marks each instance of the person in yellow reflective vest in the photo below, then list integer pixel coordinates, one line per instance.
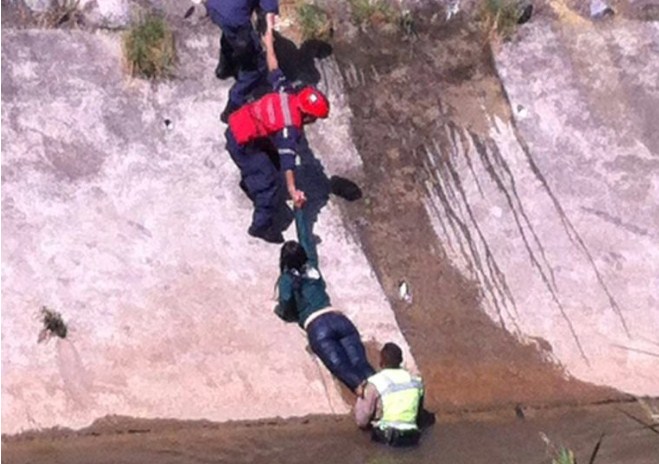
(392, 401)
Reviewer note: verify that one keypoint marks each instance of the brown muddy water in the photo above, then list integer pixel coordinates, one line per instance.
(504, 437)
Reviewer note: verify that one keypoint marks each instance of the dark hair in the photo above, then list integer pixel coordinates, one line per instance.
(391, 356)
(292, 256)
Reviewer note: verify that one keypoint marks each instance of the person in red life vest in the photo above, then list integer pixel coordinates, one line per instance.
(275, 120)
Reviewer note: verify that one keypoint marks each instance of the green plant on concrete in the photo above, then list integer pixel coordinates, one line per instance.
(314, 22)
(500, 17)
(564, 456)
(53, 324)
(149, 48)
(372, 12)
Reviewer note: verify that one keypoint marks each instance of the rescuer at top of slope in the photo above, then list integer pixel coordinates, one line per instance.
(272, 124)
(279, 115)
(241, 54)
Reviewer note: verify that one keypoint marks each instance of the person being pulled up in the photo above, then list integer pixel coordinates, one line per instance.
(302, 298)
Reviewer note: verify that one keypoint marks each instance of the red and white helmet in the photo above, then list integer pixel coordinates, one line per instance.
(311, 101)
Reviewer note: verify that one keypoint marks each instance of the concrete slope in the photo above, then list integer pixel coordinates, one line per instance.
(136, 233)
(556, 214)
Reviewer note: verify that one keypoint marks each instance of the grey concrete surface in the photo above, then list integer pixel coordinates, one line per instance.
(556, 215)
(136, 233)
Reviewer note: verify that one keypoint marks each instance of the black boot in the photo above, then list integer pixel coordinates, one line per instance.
(230, 108)
(268, 234)
(227, 66)
(225, 69)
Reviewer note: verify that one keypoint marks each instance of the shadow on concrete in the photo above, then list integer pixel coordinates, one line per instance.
(298, 64)
(310, 177)
(314, 182)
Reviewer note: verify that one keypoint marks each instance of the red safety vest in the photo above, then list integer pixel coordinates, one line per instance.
(267, 115)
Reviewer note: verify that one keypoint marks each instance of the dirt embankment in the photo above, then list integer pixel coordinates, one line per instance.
(404, 91)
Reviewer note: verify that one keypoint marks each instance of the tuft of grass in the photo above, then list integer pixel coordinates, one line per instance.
(149, 48)
(500, 17)
(61, 13)
(372, 12)
(564, 456)
(314, 22)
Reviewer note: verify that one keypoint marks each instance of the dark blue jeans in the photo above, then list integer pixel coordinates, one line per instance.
(336, 342)
(260, 179)
(241, 45)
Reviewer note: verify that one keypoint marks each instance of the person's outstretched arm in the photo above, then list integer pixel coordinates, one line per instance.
(269, 44)
(305, 238)
(297, 196)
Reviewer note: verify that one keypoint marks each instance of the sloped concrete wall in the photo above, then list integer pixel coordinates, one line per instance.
(136, 233)
(556, 215)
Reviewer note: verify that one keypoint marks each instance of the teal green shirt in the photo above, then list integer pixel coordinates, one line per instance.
(302, 294)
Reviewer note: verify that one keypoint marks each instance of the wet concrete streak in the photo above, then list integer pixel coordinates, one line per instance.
(520, 211)
(570, 230)
(546, 274)
(497, 276)
(456, 132)
(618, 222)
(463, 231)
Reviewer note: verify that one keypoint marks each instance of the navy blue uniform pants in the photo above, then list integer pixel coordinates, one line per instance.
(337, 343)
(260, 179)
(242, 48)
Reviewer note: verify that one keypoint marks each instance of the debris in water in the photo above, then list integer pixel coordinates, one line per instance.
(405, 292)
(52, 325)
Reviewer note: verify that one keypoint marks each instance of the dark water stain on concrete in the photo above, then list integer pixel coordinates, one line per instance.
(468, 361)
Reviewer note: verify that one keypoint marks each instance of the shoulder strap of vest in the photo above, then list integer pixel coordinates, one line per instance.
(386, 385)
(284, 101)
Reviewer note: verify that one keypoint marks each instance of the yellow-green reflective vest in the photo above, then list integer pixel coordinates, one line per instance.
(400, 393)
